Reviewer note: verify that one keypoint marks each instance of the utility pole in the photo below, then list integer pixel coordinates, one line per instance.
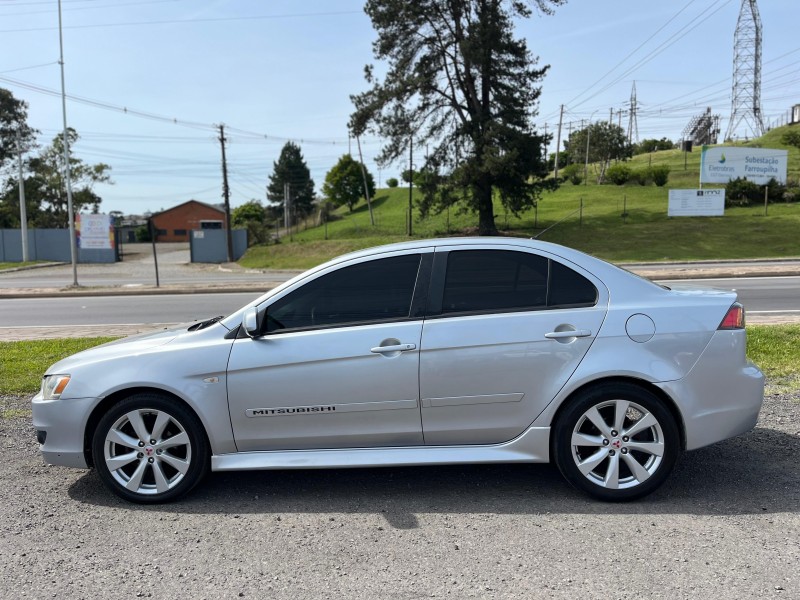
(23, 209)
(558, 141)
(364, 177)
(286, 202)
(410, 183)
(73, 252)
(226, 193)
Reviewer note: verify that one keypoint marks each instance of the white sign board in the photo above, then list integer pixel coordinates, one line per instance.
(720, 164)
(95, 232)
(696, 203)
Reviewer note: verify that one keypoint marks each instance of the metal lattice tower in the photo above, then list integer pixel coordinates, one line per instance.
(746, 103)
(633, 125)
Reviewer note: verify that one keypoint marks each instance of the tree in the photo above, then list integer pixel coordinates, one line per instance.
(45, 189)
(291, 168)
(653, 145)
(460, 82)
(606, 142)
(13, 117)
(252, 216)
(344, 183)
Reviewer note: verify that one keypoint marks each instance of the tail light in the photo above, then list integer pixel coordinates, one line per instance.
(734, 319)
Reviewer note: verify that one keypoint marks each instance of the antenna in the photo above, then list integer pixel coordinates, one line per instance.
(746, 103)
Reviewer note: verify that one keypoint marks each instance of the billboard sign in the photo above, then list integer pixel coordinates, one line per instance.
(720, 164)
(95, 232)
(696, 203)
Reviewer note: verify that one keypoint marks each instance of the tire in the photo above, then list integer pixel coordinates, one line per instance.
(149, 449)
(616, 442)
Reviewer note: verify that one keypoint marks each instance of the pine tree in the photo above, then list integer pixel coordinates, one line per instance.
(291, 168)
(459, 82)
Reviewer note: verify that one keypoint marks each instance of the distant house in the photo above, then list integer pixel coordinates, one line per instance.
(176, 224)
(795, 114)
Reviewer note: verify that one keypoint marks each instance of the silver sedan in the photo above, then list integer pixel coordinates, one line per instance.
(472, 350)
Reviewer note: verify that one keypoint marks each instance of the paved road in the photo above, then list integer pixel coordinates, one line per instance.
(764, 298)
(119, 310)
(761, 296)
(138, 269)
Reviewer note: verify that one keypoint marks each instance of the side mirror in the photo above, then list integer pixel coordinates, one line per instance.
(250, 322)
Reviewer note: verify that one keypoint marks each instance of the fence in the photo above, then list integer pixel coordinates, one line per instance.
(50, 245)
(211, 245)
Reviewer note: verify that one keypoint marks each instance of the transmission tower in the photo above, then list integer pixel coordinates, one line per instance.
(746, 104)
(633, 125)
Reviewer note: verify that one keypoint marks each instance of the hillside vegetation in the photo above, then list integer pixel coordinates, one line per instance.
(617, 223)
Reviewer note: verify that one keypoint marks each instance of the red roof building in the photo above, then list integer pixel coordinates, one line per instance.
(176, 224)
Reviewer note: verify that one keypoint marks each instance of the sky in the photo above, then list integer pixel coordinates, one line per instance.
(149, 81)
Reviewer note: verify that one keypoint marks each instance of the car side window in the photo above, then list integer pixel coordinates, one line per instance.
(373, 291)
(569, 289)
(494, 280)
(479, 281)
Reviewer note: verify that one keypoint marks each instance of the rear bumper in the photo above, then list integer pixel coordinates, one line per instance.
(717, 399)
(61, 424)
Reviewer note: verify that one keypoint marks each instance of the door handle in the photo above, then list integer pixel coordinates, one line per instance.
(395, 348)
(558, 335)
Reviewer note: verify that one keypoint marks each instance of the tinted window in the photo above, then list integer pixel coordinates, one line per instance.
(377, 290)
(507, 281)
(499, 280)
(568, 288)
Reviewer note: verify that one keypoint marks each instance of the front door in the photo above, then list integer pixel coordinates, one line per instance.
(337, 365)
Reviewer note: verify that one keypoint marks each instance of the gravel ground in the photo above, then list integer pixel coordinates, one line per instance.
(726, 525)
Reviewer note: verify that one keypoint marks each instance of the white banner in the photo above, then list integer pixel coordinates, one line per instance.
(720, 164)
(95, 231)
(696, 203)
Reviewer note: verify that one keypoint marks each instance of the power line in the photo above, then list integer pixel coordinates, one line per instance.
(196, 20)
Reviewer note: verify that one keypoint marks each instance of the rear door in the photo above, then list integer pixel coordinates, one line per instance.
(506, 327)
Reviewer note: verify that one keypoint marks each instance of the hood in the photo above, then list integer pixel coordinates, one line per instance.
(134, 344)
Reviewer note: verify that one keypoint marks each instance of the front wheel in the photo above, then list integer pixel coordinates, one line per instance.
(149, 448)
(616, 442)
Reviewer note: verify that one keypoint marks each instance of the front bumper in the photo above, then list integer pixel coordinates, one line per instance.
(61, 424)
(717, 399)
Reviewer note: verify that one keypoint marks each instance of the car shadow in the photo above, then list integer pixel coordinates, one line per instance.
(756, 473)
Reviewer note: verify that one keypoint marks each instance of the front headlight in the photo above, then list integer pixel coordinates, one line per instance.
(53, 386)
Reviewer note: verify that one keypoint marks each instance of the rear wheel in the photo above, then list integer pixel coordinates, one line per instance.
(616, 442)
(149, 448)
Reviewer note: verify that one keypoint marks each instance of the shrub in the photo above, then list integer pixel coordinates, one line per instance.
(392, 182)
(618, 173)
(573, 173)
(641, 176)
(741, 192)
(659, 174)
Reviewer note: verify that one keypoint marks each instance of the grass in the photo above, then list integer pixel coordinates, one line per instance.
(4, 266)
(774, 348)
(644, 232)
(24, 363)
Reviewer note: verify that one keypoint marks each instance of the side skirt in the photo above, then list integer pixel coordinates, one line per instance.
(532, 446)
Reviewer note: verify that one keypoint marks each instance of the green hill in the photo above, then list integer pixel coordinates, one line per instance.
(618, 223)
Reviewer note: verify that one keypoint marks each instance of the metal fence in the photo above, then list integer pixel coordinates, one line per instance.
(211, 245)
(50, 245)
